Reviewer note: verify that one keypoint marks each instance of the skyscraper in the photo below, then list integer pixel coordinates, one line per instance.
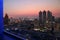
(6, 19)
(40, 17)
(44, 17)
(53, 18)
(49, 15)
(51, 21)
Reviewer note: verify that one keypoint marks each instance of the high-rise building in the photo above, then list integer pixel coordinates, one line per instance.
(53, 18)
(49, 15)
(6, 19)
(44, 17)
(51, 21)
(40, 17)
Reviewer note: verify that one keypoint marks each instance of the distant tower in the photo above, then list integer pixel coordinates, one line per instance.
(40, 17)
(53, 18)
(51, 21)
(6, 19)
(49, 15)
(44, 17)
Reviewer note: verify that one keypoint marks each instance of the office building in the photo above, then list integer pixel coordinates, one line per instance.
(40, 18)
(44, 17)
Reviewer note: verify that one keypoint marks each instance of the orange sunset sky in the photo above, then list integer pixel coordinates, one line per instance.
(30, 8)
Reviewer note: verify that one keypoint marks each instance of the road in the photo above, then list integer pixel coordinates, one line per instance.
(8, 37)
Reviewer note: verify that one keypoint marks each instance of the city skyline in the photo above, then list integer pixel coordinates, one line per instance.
(30, 8)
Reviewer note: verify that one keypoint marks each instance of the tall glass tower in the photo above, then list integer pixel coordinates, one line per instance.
(49, 16)
(44, 17)
(40, 17)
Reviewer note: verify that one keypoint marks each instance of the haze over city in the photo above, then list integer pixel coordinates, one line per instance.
(30, 8)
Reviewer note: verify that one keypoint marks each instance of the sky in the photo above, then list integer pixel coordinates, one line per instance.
(30, 8)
